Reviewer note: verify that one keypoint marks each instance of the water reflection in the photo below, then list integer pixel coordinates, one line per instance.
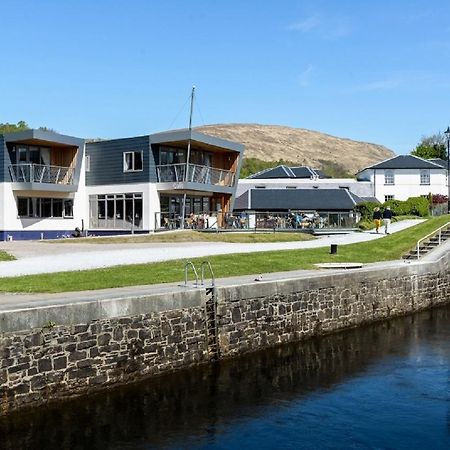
(269, 399)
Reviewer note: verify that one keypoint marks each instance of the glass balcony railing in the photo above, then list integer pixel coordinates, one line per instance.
(195, 174)
(39, 173)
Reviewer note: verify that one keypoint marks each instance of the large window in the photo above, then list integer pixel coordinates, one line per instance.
(133, 161)
(389, 177)
(425, 176)
(44, 207)
(169, 156)
(118, 211)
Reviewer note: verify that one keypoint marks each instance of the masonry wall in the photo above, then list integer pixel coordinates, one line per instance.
(49, 363)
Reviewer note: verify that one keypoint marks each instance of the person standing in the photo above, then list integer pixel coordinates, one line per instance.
(377, 218)
(387, 216)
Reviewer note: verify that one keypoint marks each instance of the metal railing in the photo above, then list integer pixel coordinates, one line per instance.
(172, 221)
(436, 233)
(40, 173)
(188, 265)
(294, 220)
(195, 174)
(310, 220)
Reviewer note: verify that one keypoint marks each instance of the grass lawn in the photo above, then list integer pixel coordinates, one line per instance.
(5, 256)
(194, 236)
(388, 248)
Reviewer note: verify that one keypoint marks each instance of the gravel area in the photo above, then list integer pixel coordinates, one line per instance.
(40, 257)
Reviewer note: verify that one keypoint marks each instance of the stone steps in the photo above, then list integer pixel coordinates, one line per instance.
(428, 245)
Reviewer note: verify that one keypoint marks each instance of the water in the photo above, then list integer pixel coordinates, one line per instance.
(385, 386)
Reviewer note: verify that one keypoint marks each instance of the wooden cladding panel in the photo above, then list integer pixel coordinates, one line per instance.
(64, 157)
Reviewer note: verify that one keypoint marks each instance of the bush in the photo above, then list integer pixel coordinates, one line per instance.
(414, 206)
(366, 209)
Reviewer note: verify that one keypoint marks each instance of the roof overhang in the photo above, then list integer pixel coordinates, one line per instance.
(44, 138)
(180, 138)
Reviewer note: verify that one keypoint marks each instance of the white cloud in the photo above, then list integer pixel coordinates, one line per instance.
(326, 27)
(308, 24)
(417, 79)
(304, 79)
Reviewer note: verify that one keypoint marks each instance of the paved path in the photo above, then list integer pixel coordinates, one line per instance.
(41, 257)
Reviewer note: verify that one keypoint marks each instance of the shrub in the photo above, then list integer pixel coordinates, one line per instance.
(414, 206)
(366, 209)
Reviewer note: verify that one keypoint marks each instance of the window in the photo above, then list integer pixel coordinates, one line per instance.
(388, 197)
(88, 163)
(425, 176)
(119, 211)
(132, 161)
(44, 207)
(389, 177)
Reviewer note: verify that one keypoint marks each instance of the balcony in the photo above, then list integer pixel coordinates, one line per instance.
(39, 173)
(176, 173)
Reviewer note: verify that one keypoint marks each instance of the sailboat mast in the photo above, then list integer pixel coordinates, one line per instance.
(188, 156)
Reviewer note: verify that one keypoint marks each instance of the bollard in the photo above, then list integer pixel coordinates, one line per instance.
(333, 249)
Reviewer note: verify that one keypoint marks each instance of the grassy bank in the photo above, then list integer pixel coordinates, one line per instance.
(388, 248)
(194, 236)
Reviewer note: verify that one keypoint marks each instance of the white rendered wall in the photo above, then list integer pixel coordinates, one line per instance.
(407, 184)
(150, 198)
(10, 220)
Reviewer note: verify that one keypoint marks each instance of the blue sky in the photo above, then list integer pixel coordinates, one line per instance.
(372, 71)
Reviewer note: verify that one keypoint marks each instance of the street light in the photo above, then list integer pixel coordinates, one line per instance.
(447, 135)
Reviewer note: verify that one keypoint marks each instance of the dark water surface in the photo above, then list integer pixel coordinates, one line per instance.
(385, 386)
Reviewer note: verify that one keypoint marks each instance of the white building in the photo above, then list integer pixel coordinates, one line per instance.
(405, 176)
(51, 184)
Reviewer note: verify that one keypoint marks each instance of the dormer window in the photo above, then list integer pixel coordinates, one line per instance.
(389, 177)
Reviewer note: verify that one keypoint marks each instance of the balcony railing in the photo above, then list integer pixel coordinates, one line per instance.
(40, 173)
(196, 174)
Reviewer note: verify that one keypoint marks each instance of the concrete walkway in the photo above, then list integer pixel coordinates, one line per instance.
(36, 257)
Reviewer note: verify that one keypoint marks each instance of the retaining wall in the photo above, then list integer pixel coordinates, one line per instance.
(87, 346)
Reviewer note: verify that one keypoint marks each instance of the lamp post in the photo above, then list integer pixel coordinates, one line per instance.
(447, 135)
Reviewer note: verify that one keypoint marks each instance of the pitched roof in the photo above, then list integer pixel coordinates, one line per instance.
(405, 162)
(298, 199)
(288, 172)
(439, 161)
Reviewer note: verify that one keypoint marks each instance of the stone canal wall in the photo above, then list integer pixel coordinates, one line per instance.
(60, 350)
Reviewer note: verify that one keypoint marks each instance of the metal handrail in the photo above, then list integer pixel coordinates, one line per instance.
(208, 264)
(195, 174)
(432, 234)
(40, 173)
(190, 264)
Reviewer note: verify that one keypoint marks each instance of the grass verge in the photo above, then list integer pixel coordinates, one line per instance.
(193, 236)
(6, 256)
(388, 248)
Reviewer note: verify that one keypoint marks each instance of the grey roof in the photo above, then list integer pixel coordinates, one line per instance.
(288, 172)
(43, 136)
(298, 199)
(185, 135)
(405, 162)
(439, 161)
(370, 199)
(241, 202)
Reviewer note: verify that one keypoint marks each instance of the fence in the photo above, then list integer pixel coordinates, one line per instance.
(310, 220)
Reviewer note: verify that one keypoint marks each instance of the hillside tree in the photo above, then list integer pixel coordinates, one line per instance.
(21, 125)
(434, 146)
